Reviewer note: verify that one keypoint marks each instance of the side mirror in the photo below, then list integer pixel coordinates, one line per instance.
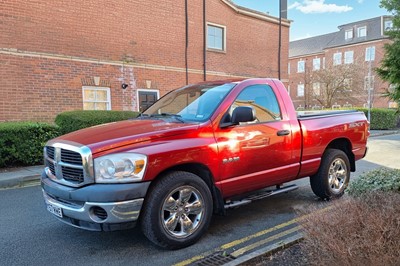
(243, 114)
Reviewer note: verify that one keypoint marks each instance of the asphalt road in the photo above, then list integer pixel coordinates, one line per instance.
(29, 235)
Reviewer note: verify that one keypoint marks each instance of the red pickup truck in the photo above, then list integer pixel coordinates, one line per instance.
(198, 150)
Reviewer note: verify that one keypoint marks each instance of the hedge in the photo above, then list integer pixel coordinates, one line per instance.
(382, 118)
(378, 180)
(21, 143)
(75, 120)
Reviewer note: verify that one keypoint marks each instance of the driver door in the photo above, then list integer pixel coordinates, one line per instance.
(258, 153)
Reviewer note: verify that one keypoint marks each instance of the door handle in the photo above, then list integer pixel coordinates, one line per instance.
(283, 132)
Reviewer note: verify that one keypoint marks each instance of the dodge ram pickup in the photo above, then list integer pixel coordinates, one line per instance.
(197, 151)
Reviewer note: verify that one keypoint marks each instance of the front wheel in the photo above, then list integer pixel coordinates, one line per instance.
(333, 175)
(177, 211)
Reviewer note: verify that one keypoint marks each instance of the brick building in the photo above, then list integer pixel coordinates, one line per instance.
(351, 54)
(57, 56)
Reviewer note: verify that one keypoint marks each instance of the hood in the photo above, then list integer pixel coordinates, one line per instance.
(118, 134)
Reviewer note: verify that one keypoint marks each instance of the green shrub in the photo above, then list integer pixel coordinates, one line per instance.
(382, 118)
(21, 143)
(381, 179)
(75, 120)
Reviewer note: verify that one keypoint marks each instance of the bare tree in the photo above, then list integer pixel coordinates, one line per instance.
(338, 83)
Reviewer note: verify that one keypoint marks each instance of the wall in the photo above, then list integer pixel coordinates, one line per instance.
(50, 49)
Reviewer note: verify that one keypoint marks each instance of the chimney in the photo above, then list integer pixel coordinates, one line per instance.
(283, 10)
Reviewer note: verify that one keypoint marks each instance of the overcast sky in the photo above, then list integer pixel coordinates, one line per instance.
(317, 17)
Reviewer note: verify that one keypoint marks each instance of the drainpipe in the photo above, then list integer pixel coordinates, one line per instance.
(204, 42)
(280, 39)
(187, 41)
(282, 14)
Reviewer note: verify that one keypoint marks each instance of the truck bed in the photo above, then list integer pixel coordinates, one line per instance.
(302, 115)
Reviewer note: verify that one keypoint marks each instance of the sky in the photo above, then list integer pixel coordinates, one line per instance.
(317, 17)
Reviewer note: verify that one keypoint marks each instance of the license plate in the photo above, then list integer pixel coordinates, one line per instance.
(57, 211)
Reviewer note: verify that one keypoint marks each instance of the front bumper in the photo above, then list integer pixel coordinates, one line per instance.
(96, 207)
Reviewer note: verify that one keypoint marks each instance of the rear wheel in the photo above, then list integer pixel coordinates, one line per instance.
(177, 211)
(333, 175)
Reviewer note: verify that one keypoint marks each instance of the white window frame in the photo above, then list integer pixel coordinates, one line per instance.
(362, 31)
(347, 84)
(300, 90)
(144, 90)
(317, 63)
(348, 35)
(323, 62)
(389, 27)
(370, 53)
(337, 58)
(210, 48)
(108, 101)
(301, 66)
(349, 57)
(316, 89)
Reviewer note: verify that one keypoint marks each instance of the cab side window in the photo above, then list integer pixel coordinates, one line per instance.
(262, 98)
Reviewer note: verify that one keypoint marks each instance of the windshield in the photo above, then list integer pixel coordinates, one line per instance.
(191, 103)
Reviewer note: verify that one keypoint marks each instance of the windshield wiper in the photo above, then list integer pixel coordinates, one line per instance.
(177, 117)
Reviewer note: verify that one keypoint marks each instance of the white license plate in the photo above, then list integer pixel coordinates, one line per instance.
(57, 211)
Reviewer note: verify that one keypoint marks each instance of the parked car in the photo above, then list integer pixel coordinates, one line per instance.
(197, 151)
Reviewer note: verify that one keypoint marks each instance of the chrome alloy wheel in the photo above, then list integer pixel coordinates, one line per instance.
(337, 175)
(182, 211)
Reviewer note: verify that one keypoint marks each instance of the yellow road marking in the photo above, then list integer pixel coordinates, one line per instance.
(243, 250)
(193, 259)
(263, 232)
(236, 242)
(247, 238)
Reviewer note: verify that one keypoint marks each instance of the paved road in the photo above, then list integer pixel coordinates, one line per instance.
(384, 150)
(31, 236)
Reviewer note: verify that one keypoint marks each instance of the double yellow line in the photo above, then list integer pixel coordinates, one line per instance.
(245, 249)
(241, 251)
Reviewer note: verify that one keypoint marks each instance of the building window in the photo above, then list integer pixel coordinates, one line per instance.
(316, 63)
(301, 66)
(348, 57)
(96, 98)
(388, 25)
(369, 82)
(347, 84)
(337, 59)
(216, 37)
(288, 68)
(300, 90)
(316, 89)
(370, 53)
(362, 31)
(349, 34)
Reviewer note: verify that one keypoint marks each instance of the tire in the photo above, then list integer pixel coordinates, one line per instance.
(177, 210)
(333, 175)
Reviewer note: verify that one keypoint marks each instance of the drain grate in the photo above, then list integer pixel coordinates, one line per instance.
(219, 258)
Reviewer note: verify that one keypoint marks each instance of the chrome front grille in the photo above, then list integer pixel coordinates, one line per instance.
(50, 152)
(71, 157)
(69, 164)
(73, 175)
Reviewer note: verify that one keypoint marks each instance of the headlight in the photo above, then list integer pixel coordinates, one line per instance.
(120, 168)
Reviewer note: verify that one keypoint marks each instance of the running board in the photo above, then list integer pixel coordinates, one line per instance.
(258, 196)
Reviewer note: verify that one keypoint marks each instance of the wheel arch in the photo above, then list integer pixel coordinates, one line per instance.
(206, 175)
(344, 145)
